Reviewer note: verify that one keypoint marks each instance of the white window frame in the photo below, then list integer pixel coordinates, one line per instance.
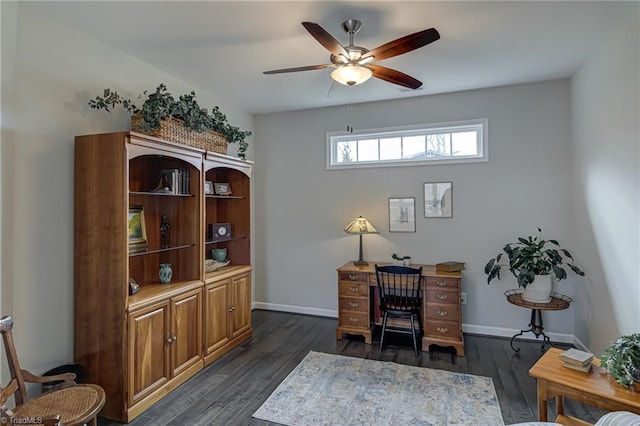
(403, 131)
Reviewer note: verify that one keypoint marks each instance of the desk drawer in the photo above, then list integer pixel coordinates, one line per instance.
(353, 276)
(437, 311)
(354, 319)
(353, 304)
(440, 295)
(440, 282)
(348, 288)
(441, 329)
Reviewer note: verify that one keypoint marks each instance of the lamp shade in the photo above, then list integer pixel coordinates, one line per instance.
(360, 225)
(351, 75)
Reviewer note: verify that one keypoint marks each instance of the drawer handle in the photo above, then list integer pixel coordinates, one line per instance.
(353, 277)
(353, 319)
(354, 304)
(441, 296)
(442, 330)
(441, 283)
(353, 289)
(443, 313)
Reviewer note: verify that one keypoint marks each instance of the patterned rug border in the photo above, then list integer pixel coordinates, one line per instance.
(328, 389)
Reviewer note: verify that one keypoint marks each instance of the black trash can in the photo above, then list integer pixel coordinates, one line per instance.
(55, 384)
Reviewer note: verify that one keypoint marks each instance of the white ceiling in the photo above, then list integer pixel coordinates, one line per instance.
(223, 47)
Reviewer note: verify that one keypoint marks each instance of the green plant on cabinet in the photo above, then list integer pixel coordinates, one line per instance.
(161, 104)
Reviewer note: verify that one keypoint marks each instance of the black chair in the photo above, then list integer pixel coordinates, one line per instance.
(400, 297)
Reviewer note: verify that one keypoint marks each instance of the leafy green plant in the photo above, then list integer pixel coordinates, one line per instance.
(621, 359)
(396, 257)
(532, 256)
(160, 105)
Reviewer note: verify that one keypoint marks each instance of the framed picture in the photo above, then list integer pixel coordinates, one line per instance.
(222, 188)
(437, 199)
(137, 230)
(402, 214)
(208, 187)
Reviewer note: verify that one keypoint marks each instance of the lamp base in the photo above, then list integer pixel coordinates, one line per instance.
(360, 262)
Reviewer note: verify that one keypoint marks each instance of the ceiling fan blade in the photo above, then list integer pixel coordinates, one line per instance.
(404, 44)
(325, 39)
(307, 68)
(395, 77)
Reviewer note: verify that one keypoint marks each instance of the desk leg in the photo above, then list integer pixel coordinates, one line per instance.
(559, 405)
(542, 400)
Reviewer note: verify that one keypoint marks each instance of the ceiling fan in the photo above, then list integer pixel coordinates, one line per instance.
(354, 64)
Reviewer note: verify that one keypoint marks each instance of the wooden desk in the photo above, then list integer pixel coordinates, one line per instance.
(593, 388)
(358, 309)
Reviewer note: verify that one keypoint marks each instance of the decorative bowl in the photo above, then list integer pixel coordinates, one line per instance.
(211, 265)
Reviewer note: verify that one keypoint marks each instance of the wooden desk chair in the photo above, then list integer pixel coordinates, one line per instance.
(72, 405)
(399, 289)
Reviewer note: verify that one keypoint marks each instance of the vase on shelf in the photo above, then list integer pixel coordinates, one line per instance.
(219, 254)
(165, 273)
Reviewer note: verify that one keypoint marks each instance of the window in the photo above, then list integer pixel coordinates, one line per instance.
(457, 142)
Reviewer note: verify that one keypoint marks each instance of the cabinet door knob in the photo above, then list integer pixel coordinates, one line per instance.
(441, 283)
(353, 289)
(440, 296)
(442, 313)
(354, 304)
(353, 277)
(442, 330)
(353, 319)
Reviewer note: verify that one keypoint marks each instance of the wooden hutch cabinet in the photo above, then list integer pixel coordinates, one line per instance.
(228, 290)
(141, 346)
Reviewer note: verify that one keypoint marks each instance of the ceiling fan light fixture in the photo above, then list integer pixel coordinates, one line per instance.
(366, 60)
(351, 74)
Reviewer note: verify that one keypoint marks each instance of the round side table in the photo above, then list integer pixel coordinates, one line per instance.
(558, 302)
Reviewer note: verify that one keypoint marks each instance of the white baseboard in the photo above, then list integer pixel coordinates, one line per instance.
(509, 332)
(466, 328)
(295, 309)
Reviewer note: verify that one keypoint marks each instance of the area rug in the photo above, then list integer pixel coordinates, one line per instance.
(329, 389)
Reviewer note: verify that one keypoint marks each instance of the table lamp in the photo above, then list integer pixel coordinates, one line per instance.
(360, 226)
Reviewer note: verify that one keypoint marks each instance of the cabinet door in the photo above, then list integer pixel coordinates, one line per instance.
(240, 304)
(217, 306)
(149, 333)
(186, 345)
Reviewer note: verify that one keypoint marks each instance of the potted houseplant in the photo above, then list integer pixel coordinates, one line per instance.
(621, 359)
(401, 260)
(534, 262)
(161, 105)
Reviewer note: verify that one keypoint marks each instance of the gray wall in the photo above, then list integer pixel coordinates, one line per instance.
(49, 72)
(606, 157)
(301, 207)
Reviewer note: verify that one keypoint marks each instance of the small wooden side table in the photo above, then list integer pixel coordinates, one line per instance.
(558, 302)
(594, 388)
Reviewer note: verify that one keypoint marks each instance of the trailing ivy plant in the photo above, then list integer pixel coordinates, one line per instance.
(160, 105)
(621, 359)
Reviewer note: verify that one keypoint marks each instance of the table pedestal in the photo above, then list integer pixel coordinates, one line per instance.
(557, 302)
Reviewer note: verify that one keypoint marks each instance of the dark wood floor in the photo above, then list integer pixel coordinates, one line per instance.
(231, 389)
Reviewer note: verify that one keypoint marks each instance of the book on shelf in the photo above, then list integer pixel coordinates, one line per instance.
(451, 266)
(584, 368)
(576, 357)
(177, 180)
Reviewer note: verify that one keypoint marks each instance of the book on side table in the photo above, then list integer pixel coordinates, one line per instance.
(576, 359)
